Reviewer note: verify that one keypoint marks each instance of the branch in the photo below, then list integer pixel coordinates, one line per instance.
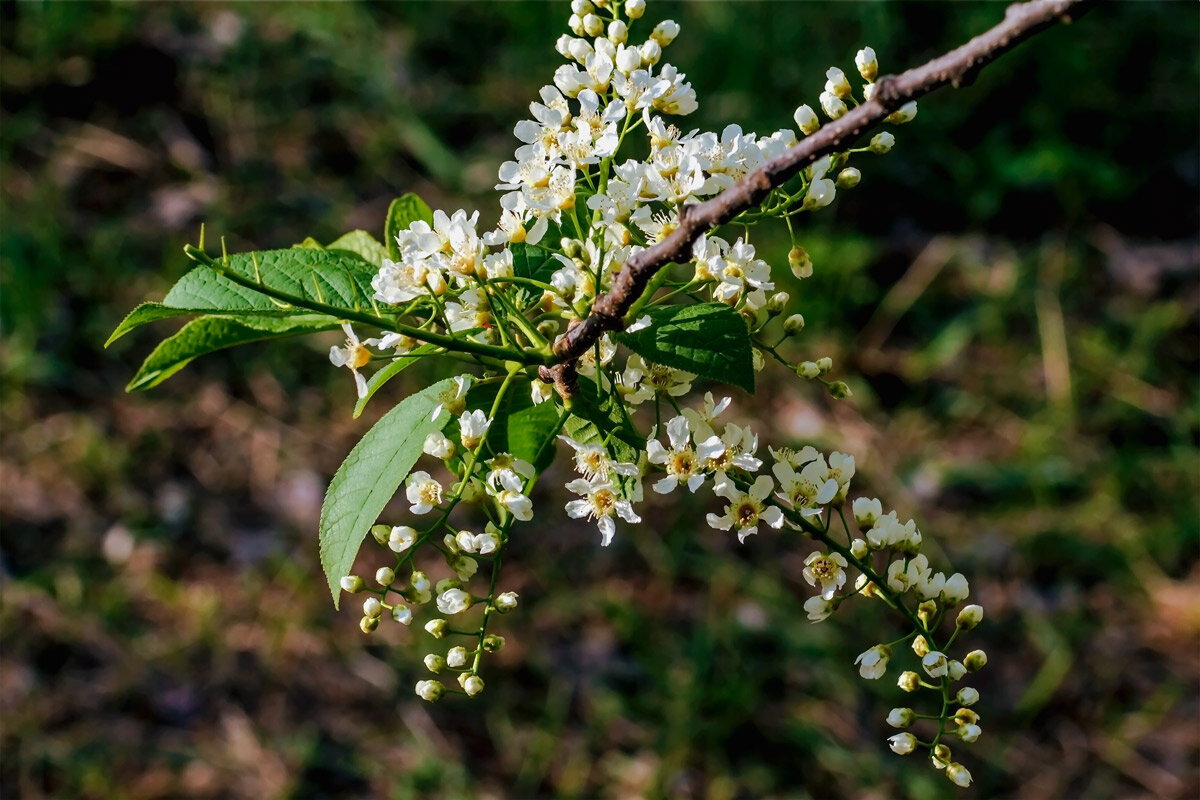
(957, 68)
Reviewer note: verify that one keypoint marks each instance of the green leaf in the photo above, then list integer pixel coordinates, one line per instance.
(531, 261)
(530, 433)
(207, 334)
(370, 476)
(404, 211)
(362, 244)
(309, 243)
(394, 368)
(585, 431)
(709, 339)
(330, 277)
(146, 312)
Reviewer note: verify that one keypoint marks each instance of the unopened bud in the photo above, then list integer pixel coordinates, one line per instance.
(380, 533)
(882, 142)
(777, 302)
(385, 576)
(920, 646)
(801, 265)
(372, 607)
(575, 23)
(430, 690)
(793, 324)
(368, 624)
(635, 8)
(618, 32)
(351, 583)
(436, 628)
(402, 614)
(825, 364)
(493, 643)
(434, 662)
(651, 52)
(965, 716)
(836, 83)
(975, 660)
(505, 602)
(806, 120)
(969, 617)
(909, 681)
(904, 114)
(839, 390)
(457, 657)
(808, 370)
(665, 32)
(959, 775)
(471, 684)
(867, 65)
(955, 670)
(848, 178)
(967, 696)
(593, 25)
(901, 717)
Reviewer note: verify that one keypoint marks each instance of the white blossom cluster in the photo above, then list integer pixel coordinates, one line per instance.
(589, 198)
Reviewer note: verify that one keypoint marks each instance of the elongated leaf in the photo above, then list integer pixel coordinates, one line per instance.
(369, 477)
(330, 277)
(531, 261)
(394, 368)
(709, 339)
(362, 244)
(530, 431)
(404, 211)
(207, 334)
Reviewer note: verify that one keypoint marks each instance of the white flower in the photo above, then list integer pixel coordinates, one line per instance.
(508, 489)
(453, 398)
(486, 543)
(969, 733)
(599, 502)
(593, 460)
(956, 589)
(841, 469)
(401, 538)
(828, 569)
(873, 663)
(473, 426)
(430, 690)
(905, 113)
(806, 120)
(807, 490)
(423, 492)
(352, 355)
(439, 446)
(866, 63)
(818, 608)
(832, 105)
(959, 774)
(453, 601)
(506, 602)
(900, 717)
(902, 743)
(866, 512)
(511, 463)
(836, 83)
(882, 142)
(934, 664)
(745, 509)
(682, 462)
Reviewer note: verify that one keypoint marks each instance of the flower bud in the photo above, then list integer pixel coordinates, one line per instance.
(866, 63)
(824, 364)
(793, 324)
(582, 7)
(463, 566)
(575, 23)
(940, 756)
(505, 602)
(806, 120)
(380, 533)
(368, 624)
(471, 684)
(438, 446)
(956, 589)
(866, 511)
(635, 8)
(926, 611)
(777, 302)
(808, 369)
(385, 576)
(959, 775)
(955, 670)
(969, 617)
(967, 696)
(882, 142)
(920, 646)
(493, 643)
(618, 32)
(975, 660)
(419, 582)
(351, 583)
(801, 265)
(372, 607)
(901, 717)
(457, 657)
(430, 690)
(935, 664)
(592, 25)
(434, 662)
(563, 45)
(836, 83)
(909, 681)
(848, 178)
(873, 663)
(969, 733)
(436, 628)
(401, 538)
(839, 390)
(902, 115)
(665, 32)
(902, 743)
(454, 601)
(832, 105)
(402, 614)
(965, 716)
(651, 52)
(859, 549)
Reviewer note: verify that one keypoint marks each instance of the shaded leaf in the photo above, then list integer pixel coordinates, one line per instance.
(362, 244)
(404, 211)
(370, 476)
(394, 368)
(708, 339)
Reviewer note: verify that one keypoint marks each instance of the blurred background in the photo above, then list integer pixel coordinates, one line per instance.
(1012, 294)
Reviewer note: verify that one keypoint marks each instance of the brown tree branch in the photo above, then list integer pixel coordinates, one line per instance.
(957, 68)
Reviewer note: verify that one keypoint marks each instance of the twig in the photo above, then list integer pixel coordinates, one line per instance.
(957, 68)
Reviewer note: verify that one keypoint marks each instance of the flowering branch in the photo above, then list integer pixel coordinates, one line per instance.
(957, 68)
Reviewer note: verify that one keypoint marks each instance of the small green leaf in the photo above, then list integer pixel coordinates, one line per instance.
(309, 243)
(369, 477)
(207, 334)
(528, 431)
(362, 244)
(404, 211)
(531, 261)
(708, 339)
(146, 312)
(394, 368)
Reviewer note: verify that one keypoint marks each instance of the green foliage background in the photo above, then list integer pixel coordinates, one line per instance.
(1012, 294)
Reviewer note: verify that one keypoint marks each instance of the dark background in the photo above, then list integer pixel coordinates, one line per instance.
(1012, 294)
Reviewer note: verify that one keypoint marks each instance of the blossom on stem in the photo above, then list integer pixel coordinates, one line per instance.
(745, 509)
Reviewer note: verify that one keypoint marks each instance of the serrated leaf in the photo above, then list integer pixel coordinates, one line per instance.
(362, 244)
(404, 211)
(208, 334)
(708, 339)
(394, 368)
(370, 476)
(330, 277)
